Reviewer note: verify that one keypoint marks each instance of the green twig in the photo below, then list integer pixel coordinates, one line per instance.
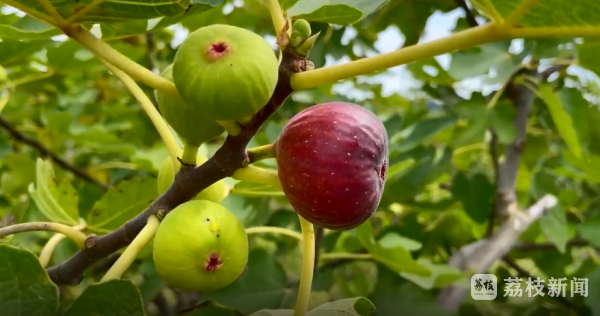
(308, 262)
(132, 251)
(72, 233)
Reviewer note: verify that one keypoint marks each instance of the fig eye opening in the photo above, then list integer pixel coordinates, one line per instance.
(219, 47)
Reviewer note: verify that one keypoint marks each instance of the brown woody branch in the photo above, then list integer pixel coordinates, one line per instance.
(188, 182)
(522, 98)
(578, 242)
(45, 152)
(469, 16)
(479, 256)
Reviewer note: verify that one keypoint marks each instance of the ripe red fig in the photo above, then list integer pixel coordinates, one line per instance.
(332, 162)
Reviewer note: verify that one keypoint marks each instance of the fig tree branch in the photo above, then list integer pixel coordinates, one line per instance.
(505, 203)
(188, 182)
(578, 242)
(495, 165)
(479, 256)
(469, 16)
(487, 33)
(522, 98)
(45, 152)
(457, 41)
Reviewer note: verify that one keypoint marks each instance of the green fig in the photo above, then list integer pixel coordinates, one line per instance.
(216, 192)
(225, 72)
(193, 127)
(300, 32)
(200, 246)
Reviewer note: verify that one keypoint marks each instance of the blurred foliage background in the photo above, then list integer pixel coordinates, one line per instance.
(441, 183)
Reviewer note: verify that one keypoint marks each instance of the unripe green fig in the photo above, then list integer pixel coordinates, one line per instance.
(200, 246)
(300, 32)
(193, 127)
(216, 192)
(225, 72)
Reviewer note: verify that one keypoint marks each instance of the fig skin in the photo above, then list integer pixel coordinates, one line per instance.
(216, 192)
(332, 161)
(225, 72)
(200, 246)
(193, 127)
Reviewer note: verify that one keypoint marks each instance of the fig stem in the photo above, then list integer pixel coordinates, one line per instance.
(104, 51)
(343, 255)
(160, 124)
(188, 157)
(261, 152)
(457, 41)
(48, 249)
(253, 193)
(277, 16)
(132, 251)
(308, 265)
(72, 233)
(274, 230)
(256, 174)
(245, 120)
(232, 127)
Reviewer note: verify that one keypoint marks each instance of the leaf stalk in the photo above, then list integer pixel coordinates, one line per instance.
(132, 251)
(72, 233)
(308, 264)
